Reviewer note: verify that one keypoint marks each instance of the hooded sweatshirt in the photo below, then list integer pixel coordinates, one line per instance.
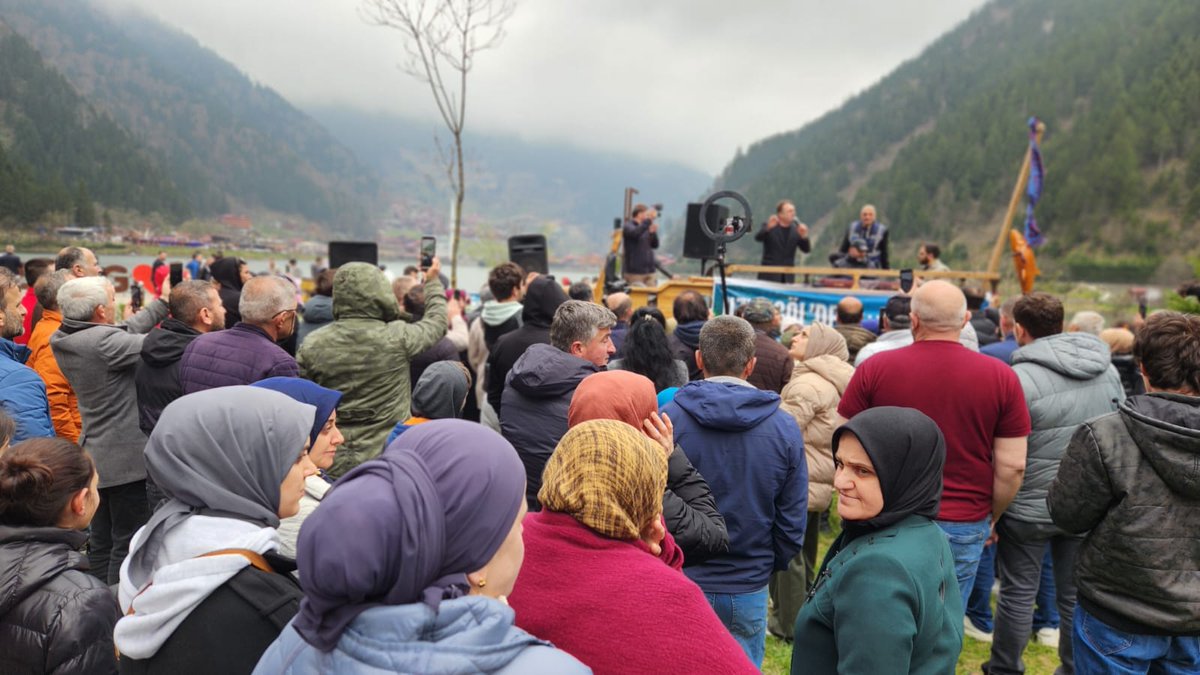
(317, 312)
(1128, 480)
(500, 318)
(226, 272)
(541, 302)
(54, 616)
(365, 354)
(539, 392)
(684, 342)
(1067, 379)
(752, 454)
(157, 375)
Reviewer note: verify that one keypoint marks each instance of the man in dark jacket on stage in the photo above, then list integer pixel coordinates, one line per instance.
(1128, 480)
(538, 389)
(781, 235)
(542, 299)
(641, 238)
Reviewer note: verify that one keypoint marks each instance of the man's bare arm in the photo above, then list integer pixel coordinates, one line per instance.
(1008, 461)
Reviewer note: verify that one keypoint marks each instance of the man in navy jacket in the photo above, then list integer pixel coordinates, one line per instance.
(752, 455)
(22, 392)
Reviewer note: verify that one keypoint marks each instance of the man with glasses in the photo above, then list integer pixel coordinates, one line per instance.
(249, 351)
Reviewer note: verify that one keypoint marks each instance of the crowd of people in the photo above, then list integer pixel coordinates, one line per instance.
(542, 484)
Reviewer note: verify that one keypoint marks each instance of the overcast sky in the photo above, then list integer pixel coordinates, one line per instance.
(688, 81)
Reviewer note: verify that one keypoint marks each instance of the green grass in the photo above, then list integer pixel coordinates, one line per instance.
(1039, 660)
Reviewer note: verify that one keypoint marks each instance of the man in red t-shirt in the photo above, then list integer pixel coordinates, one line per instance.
(976, 401)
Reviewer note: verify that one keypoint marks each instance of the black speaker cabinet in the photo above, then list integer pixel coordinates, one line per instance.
(342, 252)
(529, 251)
(696, 244)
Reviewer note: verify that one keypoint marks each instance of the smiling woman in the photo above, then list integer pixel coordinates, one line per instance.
(890, 559)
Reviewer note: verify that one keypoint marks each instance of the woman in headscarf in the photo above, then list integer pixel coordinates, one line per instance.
(439, 395)
(231, 274)
(593, 583)
(688, 505)
(886, 599)
(811, 396)
(202, 589)
(54, 616)
(406, 565)
(323, 442)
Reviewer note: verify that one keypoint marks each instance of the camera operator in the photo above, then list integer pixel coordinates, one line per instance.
(641, 238)
(781, 235)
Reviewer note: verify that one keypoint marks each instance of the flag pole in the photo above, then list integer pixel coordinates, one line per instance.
(1013, 203)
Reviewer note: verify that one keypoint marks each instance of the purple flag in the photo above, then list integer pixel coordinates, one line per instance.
(1033, 191)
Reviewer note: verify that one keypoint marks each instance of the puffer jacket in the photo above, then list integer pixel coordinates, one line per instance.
(365, 355)
(812, 397)
(240, 355)
(1128, 479)
(23, 394)
(471, 634)
(691, 512)
(534, 414)
(54, 616)
(64, 408)
(1067, 379)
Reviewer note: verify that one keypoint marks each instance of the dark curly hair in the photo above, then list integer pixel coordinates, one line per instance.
(646, 350)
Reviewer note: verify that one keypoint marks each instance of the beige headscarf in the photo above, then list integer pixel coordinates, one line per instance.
(608, 476)
(824, 340)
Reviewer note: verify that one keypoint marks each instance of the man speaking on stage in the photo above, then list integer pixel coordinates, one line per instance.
(781, 236)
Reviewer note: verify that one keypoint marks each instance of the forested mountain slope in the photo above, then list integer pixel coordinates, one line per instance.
(937, 143)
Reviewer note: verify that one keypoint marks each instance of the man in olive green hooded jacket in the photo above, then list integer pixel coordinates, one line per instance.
(364, 353)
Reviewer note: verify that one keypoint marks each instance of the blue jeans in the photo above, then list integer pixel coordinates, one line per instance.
(745, 615)
(979, 608)
(1100, 648)
(966, 545)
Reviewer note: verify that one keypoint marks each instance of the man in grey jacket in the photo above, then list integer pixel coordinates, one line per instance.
(1128, 480)
(99, 360)
(1068, 378)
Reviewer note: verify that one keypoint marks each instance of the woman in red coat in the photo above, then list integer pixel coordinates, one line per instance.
(593, 583)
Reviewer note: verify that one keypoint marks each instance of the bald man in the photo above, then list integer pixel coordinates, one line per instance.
(81, 261)
(976, 401)
(621, 305)
(849, 320)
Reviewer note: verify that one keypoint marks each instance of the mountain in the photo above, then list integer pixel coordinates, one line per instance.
(63, 152)
(936, 144)
(511, 182)
(224, 141)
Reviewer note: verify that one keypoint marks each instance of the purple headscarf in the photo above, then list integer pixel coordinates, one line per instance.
(408, 526)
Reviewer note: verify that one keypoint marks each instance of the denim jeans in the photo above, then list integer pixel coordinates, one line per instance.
(1020, 553)
(745, 615)
(966, 545)
(1100, 648)
(123, 509)
(979, 608)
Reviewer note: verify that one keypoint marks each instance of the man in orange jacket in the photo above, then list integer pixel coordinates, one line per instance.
(64, 409)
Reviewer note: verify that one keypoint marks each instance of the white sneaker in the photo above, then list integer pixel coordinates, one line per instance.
(971, 631)
(1047, 637)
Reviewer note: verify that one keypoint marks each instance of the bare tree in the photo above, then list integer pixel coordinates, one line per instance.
(441, 39)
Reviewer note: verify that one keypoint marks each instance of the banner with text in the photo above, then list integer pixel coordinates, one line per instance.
(805, 304)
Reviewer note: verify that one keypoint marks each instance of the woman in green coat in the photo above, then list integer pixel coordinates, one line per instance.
(886, 599)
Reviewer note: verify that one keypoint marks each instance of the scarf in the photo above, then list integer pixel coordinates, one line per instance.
(613, 395)
(304, 391)
(824, 340)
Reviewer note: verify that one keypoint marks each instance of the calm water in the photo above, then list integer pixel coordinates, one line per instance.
(470, 277)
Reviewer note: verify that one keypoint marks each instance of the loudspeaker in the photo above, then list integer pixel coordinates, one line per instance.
(342, 252)
(529, 251)
(696, 244)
